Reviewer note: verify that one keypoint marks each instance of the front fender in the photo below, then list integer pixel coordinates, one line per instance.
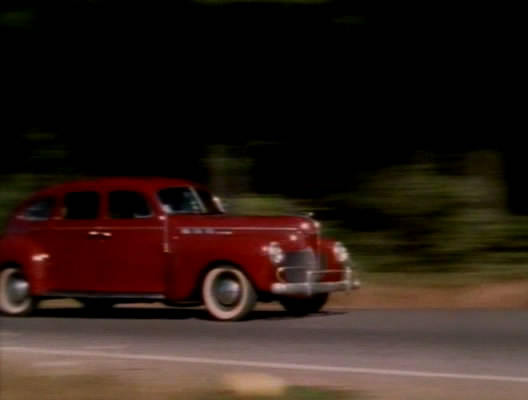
(193, 257)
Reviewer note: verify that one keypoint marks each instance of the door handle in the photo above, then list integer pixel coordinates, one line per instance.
(99, 233)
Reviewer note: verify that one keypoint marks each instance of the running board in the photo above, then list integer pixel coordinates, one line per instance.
(99, 295)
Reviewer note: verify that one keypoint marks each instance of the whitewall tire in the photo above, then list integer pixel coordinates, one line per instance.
(228, 294)
(15, 296)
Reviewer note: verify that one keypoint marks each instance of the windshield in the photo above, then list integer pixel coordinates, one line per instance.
(185, 200)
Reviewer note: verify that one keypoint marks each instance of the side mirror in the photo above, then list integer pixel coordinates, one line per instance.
(220, 204)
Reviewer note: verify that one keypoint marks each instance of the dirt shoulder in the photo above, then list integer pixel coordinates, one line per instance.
(497, 295)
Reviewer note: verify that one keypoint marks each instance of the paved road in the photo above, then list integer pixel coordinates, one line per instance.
(473, 346)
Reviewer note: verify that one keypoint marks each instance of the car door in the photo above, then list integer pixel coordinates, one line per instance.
(133, 260)
(73, 243)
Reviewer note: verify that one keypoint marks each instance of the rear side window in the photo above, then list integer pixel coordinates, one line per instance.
(81, 205)
(124, 204)
(39, 210)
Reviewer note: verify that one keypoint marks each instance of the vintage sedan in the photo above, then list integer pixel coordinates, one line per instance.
(116, 240)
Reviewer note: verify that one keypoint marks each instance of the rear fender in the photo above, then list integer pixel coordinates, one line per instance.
(30, 257)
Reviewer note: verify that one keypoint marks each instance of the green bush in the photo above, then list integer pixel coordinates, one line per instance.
(14, 189)
(252, 204)
(430, 221)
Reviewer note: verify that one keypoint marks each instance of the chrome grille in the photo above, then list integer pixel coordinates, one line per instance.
(300, 262)
(303, 258)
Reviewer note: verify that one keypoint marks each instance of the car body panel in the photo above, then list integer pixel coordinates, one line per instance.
(159, 254)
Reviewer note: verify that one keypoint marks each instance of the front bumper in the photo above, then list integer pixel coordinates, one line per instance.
(310, 287)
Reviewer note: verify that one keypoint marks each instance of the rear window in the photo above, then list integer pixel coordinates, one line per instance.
(39, 210)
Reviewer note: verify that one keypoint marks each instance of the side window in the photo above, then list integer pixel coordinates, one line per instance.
(179, 200)
(124, 204)
(40, 210)
(81, 205)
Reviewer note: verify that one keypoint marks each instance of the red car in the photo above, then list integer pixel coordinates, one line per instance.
(118, 240)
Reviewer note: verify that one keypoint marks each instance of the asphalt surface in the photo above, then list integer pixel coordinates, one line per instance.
(478, 342)
(467, 345)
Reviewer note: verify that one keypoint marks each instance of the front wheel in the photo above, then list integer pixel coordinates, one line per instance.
(228, 294)
(304, 306)
(15, 296)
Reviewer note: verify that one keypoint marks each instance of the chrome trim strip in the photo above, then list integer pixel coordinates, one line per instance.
(131, 228)
(239, 228)
(260, 228)
(207, 230)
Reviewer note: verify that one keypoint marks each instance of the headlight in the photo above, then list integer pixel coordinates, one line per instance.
(275, 253)
(341, 252)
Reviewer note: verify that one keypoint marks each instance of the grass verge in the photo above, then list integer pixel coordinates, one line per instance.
(23, 383)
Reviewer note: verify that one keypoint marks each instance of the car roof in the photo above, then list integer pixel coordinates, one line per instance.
(139, 183)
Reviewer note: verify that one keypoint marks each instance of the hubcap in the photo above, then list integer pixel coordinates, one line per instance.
(17, 289)
(227, 290)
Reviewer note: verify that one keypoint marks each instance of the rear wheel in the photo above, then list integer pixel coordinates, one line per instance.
(228, 294)
(305, 305)
(15, 296)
